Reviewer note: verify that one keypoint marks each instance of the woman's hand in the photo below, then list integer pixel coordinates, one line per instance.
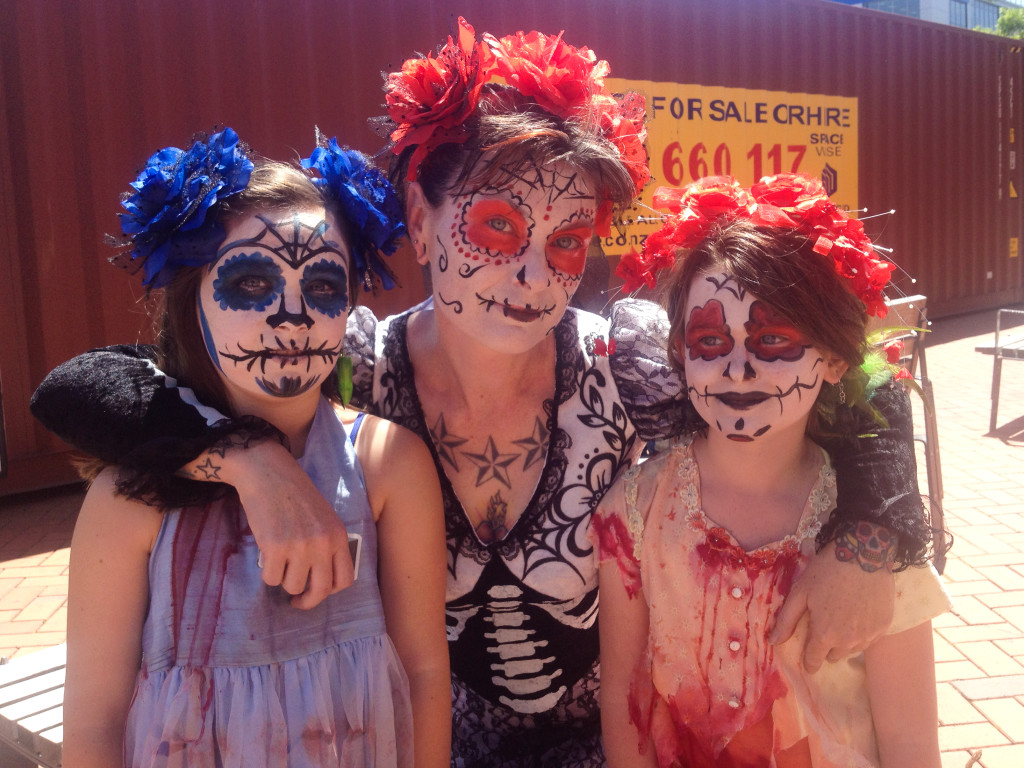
(304, 544)
(849, 602)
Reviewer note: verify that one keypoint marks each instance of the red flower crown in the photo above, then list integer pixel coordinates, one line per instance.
(431, 98)
(788, 201)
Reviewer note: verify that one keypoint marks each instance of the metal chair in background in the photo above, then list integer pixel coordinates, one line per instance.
(907, 322)
(1008, 347)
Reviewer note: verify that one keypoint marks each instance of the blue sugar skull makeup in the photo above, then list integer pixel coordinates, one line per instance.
(273, 306)
(248, 281)
(325, 287)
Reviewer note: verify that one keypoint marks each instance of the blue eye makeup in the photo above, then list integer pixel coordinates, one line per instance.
(325, 287)
(248, 281)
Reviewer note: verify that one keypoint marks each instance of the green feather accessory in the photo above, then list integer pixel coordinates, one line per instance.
(345, 379)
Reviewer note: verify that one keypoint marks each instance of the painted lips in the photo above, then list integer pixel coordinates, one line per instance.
(742, 402)
(524, 314)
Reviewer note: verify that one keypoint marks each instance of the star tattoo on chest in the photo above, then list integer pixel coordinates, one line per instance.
(446, 442)
(535, 445)
(491, 464)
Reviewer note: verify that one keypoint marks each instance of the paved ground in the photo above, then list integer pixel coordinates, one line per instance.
(979, 647)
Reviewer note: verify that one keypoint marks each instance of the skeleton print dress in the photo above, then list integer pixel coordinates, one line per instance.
(522, 611)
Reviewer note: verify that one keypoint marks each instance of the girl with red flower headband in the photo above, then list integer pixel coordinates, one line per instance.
(513, 155)
(768, 298)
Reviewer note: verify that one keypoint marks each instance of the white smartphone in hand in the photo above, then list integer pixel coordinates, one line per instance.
(355, 548)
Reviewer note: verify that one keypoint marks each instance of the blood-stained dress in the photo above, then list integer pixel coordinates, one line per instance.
(710, 690)
(233, 675)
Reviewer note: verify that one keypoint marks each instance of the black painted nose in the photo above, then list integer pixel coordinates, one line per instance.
(283, 316)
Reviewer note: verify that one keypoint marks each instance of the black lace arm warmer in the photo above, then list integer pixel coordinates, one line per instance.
(113, 403)
(876, 476)
(652, 393)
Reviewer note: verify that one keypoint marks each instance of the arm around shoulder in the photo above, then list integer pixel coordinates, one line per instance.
(876, 476)
(405, 497)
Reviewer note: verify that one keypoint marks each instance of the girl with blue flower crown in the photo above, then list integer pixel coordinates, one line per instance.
(178, 654)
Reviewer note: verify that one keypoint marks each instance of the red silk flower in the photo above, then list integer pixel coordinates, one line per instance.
(559, 77)
(893, 351)
(635, 270)
(786, 200)
(623, 123)
(431, 98)
(569, 82)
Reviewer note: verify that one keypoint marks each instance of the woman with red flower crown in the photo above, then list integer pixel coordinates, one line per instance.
(513, 155)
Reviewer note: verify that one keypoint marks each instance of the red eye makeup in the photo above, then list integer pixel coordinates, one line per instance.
(771, 337)
(567, 250)
(707, 334)
(496, 227)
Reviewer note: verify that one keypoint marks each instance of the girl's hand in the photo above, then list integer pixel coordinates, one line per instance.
(849, 607)
(303, 542)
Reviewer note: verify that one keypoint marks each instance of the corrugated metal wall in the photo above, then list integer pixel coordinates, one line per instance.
(88, 88)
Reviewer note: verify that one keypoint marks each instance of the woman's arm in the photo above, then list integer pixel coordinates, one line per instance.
(302, 540)
(879, 523)
(848, 607)
(624, 628)
(406, 498)
(114, 403)
(108, 595)
(876, 477)
(901, 688)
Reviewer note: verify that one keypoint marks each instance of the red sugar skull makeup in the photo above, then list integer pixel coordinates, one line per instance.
(748, 371)
(505, 261)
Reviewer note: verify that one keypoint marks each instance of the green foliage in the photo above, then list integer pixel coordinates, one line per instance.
(1009, 24)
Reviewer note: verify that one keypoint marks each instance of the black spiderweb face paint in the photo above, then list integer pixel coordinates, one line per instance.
(506, 260)
(749, 372)
(273, 305)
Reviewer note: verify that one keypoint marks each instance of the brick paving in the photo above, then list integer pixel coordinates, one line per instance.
(979, 647)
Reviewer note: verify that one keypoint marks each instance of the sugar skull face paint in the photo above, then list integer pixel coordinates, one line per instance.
(505, 262)
(748, 370)
(273, 305)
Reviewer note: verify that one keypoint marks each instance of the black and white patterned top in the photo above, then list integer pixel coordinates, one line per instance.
(522, 611)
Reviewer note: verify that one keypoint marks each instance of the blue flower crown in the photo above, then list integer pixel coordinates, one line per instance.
(368, 201)
(166, 220)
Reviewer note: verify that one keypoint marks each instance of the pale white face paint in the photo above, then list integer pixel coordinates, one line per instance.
(505, 262)
(273, 304)
(749, 372)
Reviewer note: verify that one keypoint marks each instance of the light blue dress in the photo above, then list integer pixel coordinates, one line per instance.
(233, 675)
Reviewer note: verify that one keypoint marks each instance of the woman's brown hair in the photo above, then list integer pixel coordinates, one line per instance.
(510, 133)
